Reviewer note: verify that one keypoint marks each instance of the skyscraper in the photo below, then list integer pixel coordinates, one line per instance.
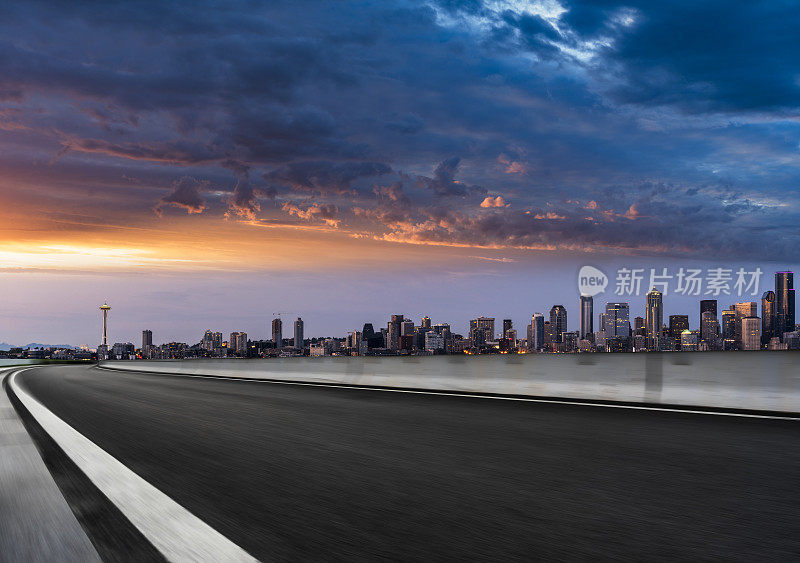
(147, 338)
(677, 324)
(237, 343)
(536, 332)
(709, 329)
(751, 333)
(654, 317)
(558, 324)
(616, 322)
(708, 305)
(394, 331)
(784, 303)
(507, 325)
(298, 333)
(729, 324)
(277, 332)
(426, 323)
(744, 310)
(767, 316)
(586, 329)
(481, 331)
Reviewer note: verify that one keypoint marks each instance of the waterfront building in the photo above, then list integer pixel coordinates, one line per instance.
(394, 331)
(709, 329)
(586, 330)
(434, 341)
(237, 343)
(708, 305)
(277, 332)
(558, 324)
(299, 329)
(677, 324)
(147, 339)
(654, 317)
(536, 333)
(616, 321)
(742, 310)
(751, 333)
(784, 303)
(729, 324)
(767, 316)
(689, 340)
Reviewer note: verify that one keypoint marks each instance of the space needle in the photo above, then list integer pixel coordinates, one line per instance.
(104, 344)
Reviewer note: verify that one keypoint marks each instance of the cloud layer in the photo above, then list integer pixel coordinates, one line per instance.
(634, 127)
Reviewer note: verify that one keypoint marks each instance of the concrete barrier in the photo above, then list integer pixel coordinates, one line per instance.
(764, 381)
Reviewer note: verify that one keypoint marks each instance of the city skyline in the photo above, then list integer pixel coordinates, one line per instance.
(616, 331)
(257, 326)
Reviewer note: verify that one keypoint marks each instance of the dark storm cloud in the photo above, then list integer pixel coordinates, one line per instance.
(710, 56)
(186, 195)
(444, 181)
(677, 120)
(325, 177)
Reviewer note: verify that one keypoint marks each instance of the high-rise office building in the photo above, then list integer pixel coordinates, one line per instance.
(616, 321)
(299, 327)
(558, 324)
(426, 323)
(639, 330)
(507, 325)
(751, 333)
(709, 329)
(708, 305)
(677, 324)
(277, 332)
(688, 340)
(729, 324)
(395, 328)
(784, 303)
(147, 338)
(547, 343)
(586, 329)
(481, 331)
(742, 310)
(434, 341)
(767, 316)
(654, 318)
(536, 332)
(407, 327)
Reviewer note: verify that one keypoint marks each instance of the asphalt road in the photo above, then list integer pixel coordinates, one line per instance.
(311, 473)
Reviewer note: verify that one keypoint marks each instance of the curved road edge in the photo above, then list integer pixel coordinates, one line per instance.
(171, 532)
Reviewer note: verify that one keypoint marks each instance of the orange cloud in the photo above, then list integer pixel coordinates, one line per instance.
(494, 202)
(512, 166)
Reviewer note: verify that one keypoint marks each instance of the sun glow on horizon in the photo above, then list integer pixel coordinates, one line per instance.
(70, 257)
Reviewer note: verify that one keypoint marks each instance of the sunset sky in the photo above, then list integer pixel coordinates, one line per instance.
(203, 165)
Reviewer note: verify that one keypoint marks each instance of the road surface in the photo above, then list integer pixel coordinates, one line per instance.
(290, 472)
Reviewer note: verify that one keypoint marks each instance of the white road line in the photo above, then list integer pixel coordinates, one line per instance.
(469, 395)
(174, 531)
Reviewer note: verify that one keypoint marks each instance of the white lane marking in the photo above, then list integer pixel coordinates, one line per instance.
(177, 533)
(468, 395)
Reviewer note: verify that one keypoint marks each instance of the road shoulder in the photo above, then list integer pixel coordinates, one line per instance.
(37, 523)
